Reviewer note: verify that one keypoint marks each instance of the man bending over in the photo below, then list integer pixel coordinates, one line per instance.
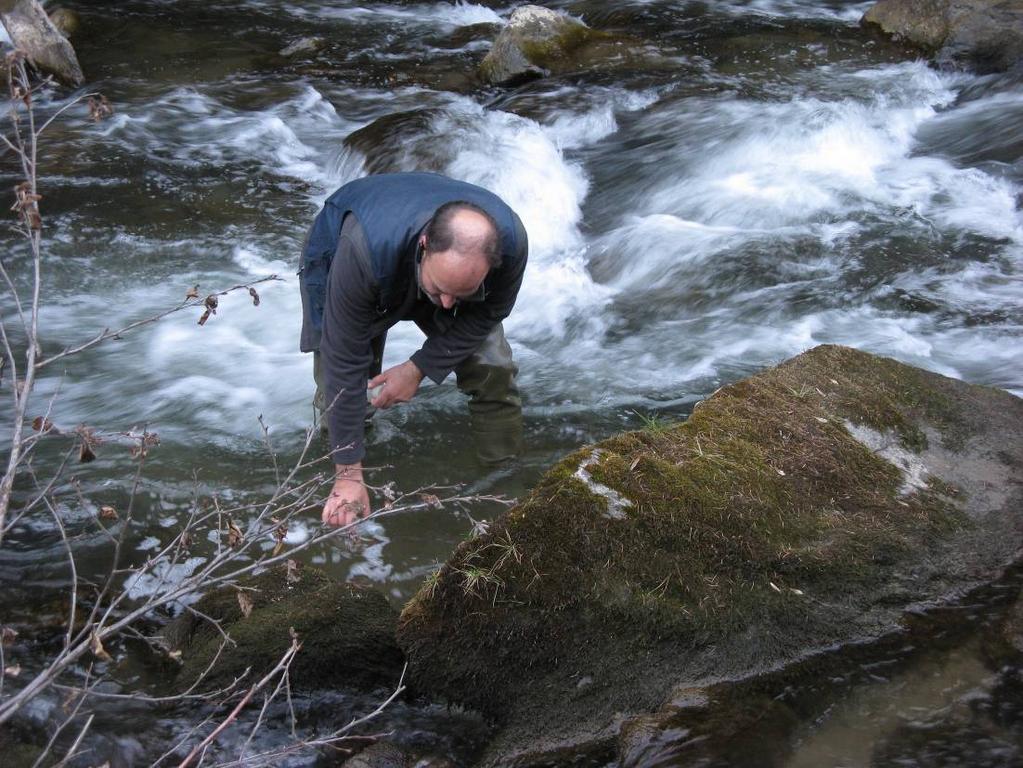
(448, 256)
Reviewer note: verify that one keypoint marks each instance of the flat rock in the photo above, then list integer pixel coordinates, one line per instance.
(816, 506)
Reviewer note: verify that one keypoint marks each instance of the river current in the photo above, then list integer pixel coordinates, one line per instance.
(769, 178)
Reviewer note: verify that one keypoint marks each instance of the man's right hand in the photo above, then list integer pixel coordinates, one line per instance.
(348, 500)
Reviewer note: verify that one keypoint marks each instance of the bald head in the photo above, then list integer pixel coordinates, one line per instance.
(465, 230)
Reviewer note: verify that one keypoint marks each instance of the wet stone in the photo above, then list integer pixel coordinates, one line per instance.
(538, 41)
(976, 34)
(305, 46)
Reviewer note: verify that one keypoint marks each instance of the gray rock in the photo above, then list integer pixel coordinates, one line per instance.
(303, 47)
(47, 49)
(380, 755)
(982, 35)
(809, 509)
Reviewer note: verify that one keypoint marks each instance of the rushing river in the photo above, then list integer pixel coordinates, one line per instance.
(769, 178)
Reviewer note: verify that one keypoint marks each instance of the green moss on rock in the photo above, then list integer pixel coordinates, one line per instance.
(538, 40)
(347, 633)
(758, 529)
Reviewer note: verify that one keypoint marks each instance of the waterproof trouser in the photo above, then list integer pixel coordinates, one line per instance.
(487, 377)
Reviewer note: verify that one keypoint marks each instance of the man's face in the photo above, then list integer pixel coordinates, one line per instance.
(448, 277)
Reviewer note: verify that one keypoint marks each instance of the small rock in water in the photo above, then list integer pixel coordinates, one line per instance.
(304, 45)
(66, 21)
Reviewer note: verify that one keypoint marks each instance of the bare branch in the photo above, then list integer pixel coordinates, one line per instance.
(281, 665)
(106, 333)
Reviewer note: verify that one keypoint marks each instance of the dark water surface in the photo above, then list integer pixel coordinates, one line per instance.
(768, 178)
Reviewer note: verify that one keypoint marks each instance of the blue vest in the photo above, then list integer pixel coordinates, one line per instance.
(393, 209)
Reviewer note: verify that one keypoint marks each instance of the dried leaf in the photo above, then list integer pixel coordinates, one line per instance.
(255, 297)
(281, 531)
(87, 443)
(234, 534)
(193, 292)
(85, 452)
(245, 603)
(291, 575)
(8, 635)
(96, 645)
(99, 109)
(211, 303)
(431, 500)
(278, 548)
(12, 671)
(774, 586)
(107, 513)
(67, 703)
(42, 424)
(634, 464)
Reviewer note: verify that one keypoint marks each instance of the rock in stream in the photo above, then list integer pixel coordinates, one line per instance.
(817, 506)
(981, 35)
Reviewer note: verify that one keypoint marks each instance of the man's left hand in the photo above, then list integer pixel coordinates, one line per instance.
(400, 384)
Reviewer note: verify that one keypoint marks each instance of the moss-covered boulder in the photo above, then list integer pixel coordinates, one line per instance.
(809, 507)
(983, 35)
(346, 632)
(538, 41)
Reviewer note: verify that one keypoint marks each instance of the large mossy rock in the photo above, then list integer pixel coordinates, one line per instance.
(808, 508)
(538, 41)
(346, 631)
(984, 35)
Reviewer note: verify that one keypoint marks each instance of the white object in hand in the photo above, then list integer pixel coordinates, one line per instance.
(372, 392)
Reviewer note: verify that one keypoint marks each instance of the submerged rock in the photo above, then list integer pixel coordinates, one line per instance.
(810, 507)
(347, 632)
(305, 46)
(538, 41)
(380, 755)
(983, 35)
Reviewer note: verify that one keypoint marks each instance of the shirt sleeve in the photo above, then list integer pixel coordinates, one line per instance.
(346, 350)
(442, 353)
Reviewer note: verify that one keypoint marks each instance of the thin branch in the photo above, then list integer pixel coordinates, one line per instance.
(274, 757)
(76, 100)
(281, 665)
(78, 742)
(106, 333)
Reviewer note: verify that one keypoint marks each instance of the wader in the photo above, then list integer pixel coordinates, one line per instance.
(487, 377)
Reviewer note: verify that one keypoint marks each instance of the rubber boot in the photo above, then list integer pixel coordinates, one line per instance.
(495, 407)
